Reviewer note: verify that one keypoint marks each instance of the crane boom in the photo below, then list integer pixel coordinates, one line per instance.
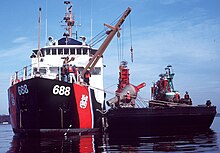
(102, 48)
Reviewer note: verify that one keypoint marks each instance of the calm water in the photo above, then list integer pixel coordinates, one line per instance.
(208, 141)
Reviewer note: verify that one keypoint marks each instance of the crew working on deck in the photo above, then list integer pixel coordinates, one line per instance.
(70, 73)
(185, 100)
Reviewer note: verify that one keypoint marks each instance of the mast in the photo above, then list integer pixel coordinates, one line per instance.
(111, 33)
(68, 19)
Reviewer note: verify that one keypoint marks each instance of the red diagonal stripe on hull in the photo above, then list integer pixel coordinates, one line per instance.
(83, 106)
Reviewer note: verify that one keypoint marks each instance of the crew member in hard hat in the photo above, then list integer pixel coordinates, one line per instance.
(176, 97)
(187, 98)
(128, 97)
(208, 103)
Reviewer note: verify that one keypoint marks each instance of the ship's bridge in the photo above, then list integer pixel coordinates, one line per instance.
(65, 46)
(64, 50)
(53, 55)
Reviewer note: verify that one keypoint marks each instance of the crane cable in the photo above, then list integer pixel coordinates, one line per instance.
(120, 45)
(131, 50)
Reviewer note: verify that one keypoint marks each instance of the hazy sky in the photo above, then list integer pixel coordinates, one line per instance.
(183, 33)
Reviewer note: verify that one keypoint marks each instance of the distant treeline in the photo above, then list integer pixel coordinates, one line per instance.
(4, 118)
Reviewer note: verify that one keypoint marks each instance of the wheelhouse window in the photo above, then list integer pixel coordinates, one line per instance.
(60, 51)
(85, 51)
(54, 51)
(96, 71)
(80, 69)
(42, 70)
(48, 51)
(54, 69)
(66, 51)
(42, 52)
(78, 51)
(72, 51)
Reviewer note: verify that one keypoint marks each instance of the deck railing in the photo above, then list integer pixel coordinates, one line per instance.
(21, 75)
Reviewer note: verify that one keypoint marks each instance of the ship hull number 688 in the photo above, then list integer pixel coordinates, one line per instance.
(61, 90)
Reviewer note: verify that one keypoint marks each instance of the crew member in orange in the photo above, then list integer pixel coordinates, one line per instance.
(153, 91)
(71, 74)
(165, 84)
(176, 97)
(75, 72)
(87, 75)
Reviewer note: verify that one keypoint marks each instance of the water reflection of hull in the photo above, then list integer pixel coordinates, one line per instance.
(47, 144)
(180, 141)
(196, 142)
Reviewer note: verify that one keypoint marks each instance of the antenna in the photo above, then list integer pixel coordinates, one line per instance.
(76, 24)
(46, 34)
(91, 19)
(38, 52)
(76, 33)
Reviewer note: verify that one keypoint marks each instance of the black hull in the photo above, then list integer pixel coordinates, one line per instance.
(159, 120)
(39, 104)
